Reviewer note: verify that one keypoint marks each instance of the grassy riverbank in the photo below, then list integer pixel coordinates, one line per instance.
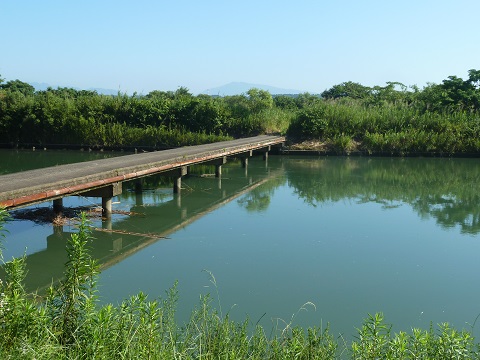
(346, 126)
(69, 323)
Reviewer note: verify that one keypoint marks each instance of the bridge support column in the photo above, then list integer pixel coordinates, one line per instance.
(218, 171)
(177, 184)
(106, 193)
(245, 157)
(58, 206)
(139, 192)
(218, 166)
(107, 207)
(138, 186)
(265, 152)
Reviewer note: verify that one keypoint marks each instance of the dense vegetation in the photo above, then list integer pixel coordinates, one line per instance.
(394, 119)
(69, 324)
(159, 119)
(442, 119)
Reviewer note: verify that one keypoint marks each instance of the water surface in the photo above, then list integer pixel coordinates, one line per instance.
(351, 235)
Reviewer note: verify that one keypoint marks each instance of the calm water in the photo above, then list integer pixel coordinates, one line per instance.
(351, 235)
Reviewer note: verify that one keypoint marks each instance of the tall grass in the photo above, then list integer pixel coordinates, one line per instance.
(391, 128)
(69, 324)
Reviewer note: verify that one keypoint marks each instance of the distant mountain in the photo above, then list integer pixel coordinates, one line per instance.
(233, 88)
(45, 86)
(40, 86)
(105, 91)
(237, 88)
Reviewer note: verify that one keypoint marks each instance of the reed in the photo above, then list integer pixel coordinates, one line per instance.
(396, 129)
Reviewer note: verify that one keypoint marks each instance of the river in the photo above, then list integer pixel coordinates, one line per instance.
(350, 235)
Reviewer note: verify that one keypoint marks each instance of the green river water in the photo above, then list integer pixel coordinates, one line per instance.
(351, 235)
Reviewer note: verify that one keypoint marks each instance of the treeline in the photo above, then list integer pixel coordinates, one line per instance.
(159, 119)
(441, 118)
(395, 119)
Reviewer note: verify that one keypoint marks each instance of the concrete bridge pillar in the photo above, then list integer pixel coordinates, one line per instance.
(245, 157)
(107, 207)
(177, 183)
(58, 206)
(106, 193)
(218, 166)
(139, 192)
(138, 186)
(139, 199)
(265, 152)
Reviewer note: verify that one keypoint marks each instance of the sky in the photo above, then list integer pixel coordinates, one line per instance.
(145, 45)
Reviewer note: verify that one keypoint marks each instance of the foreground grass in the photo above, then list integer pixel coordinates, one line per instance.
(69, 324)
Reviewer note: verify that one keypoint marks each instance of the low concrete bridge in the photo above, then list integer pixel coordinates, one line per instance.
(103, 178)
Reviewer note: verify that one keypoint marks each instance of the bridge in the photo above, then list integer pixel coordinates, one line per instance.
(103, 178)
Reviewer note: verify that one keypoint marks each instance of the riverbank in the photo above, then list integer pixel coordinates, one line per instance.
(322, 148)
(300, 148)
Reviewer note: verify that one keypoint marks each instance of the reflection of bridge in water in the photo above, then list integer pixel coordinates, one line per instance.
(122, 238)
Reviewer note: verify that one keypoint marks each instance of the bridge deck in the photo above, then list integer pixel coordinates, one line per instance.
(28, 187)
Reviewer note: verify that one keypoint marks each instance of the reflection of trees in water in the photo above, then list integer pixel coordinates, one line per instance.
(445, 189)
(451, 212)
(258, 199)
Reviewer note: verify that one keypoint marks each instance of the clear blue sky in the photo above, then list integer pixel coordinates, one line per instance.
(146, 45)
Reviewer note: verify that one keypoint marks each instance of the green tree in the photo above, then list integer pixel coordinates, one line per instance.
(182, 91)
(285, 102)
(259, 100)
(305, 100)
(474, 78)
(392, 93)
(453, 93)
(347, 89)
(20, 86)
(238, 105)
(474, 81)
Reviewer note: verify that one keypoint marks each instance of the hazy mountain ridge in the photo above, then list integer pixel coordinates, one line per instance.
(237, 88)
(233, 88)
